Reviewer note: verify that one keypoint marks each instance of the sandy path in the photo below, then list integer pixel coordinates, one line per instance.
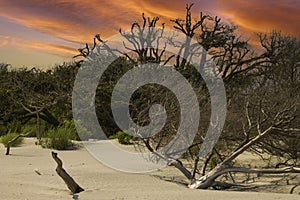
(20, 181)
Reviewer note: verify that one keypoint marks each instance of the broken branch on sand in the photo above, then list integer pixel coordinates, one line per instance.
(72, 185)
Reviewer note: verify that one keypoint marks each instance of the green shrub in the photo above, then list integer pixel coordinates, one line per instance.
(14, 126)
(58, 138)
(123, 138)
(69, 126)
(29, 128)
(5, 138)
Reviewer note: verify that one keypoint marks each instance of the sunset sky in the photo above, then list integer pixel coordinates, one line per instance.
(44, 32)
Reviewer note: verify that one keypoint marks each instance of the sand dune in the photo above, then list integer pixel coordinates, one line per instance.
(19, 179)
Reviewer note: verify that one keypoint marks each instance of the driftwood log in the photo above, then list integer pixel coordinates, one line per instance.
(72, 185)
(12, 140)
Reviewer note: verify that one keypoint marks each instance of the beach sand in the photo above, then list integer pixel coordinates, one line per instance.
(20, 181)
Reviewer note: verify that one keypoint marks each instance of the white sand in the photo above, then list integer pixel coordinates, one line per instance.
(18, 179)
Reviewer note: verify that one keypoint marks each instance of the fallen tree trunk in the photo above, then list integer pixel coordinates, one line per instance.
(12, 140)
(206, 181)
(72, 185)
(224, 167)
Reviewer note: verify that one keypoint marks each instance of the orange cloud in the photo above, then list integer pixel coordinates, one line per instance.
(77, 21)
(43, 46)
(72, 20)
(263, 16)
(4, 40)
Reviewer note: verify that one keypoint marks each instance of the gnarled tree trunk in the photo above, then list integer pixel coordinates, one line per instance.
(72, 185)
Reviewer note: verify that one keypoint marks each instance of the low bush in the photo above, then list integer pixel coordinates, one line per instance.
(69, 126)
(59, 138)
(5, 138)
(123, 138)
(14, 126)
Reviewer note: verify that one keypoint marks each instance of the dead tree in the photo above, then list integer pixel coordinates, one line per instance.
(72, 185)
(235, 62)
(281, 119)
(9, 143)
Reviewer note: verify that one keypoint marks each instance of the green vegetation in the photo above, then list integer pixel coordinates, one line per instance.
(59, 138)
(123, 138)
(6, 138)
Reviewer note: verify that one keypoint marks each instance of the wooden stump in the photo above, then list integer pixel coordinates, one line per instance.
(12, 140)
(72, 185)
